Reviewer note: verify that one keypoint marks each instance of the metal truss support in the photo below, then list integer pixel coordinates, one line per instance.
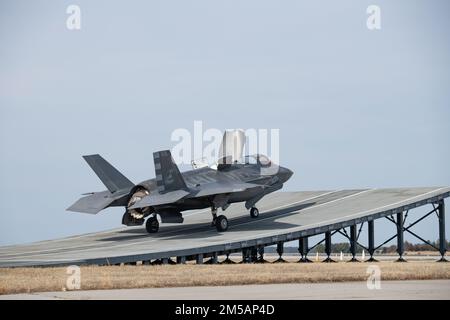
(303, 249)
(228, 260)
(253, 254)
(213, 259)
(400, 239)
(181, 260)
(442, 240)
(328, 247)
(199, 258)
(280, 250)
(245, 255)
(353, 242)
(156, 262)
(371, 240)
(260, 251)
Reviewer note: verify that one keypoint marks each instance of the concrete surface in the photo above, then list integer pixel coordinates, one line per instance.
(283, 217)
(421, 289)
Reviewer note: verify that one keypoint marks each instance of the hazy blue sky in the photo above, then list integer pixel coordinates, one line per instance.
(355, 108)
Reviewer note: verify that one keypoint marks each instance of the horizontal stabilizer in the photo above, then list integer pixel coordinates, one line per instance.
(157, 199)
(110, 176)
(95, 203)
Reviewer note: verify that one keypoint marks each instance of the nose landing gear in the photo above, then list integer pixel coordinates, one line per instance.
(254, 212)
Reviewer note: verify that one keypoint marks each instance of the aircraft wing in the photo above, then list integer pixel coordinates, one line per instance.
(96, 202)
(221, 187)
(157, 199)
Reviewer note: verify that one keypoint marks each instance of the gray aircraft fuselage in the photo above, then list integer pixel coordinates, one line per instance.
(172, 191)
(249, 173)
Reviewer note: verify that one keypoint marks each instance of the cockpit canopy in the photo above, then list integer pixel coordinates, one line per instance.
(260, 159)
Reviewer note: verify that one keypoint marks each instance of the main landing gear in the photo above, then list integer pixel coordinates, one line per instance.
(152, 225)
(220, 222)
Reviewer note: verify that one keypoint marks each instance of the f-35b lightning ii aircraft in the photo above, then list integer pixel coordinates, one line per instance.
(171, 192)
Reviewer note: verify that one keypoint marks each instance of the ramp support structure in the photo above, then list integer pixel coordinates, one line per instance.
(442, 240)
(253, 254)
(228, 260)
(400, 239)
(213, 259)
(328, 247)
(280, 250)
(371, 240)
(303, 249)
(245, 255)
(260, 253)
(353, 239)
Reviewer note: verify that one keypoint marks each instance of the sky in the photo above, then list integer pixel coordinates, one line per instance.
(356, 108)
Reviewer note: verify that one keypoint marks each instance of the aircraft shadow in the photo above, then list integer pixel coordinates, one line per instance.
(242, 223)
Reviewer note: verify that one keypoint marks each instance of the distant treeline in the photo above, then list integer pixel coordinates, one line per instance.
(345, 247)
(413, 247)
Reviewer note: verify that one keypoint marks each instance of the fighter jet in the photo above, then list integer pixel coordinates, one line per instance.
(172, 192)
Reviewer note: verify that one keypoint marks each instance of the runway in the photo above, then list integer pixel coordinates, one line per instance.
(283, 216)
(390, 290)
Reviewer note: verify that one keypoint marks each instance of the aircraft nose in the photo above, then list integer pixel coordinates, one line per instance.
(285, 174)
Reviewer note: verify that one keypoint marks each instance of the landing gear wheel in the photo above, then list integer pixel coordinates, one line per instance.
(152, 225)
(221, 223)
(254, 212)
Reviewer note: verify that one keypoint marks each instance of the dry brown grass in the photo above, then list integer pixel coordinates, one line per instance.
(18, 280)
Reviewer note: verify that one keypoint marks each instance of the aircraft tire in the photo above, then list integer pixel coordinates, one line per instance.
(152, 225)
(254, 212)
(221, 223)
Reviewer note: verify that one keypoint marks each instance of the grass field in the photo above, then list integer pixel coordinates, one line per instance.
(19, 280)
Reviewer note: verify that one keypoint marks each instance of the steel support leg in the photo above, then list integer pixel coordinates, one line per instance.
(260, 258)
(246, 255)
(156, 262)
(253, 254)
(371, 232)
(400, 240)
(303, 249)
(228, 260)
(181, 260)
(353, 243)
(213, 259)
(442, 240)
(328, 247)
(199, 258)
(280, 250)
